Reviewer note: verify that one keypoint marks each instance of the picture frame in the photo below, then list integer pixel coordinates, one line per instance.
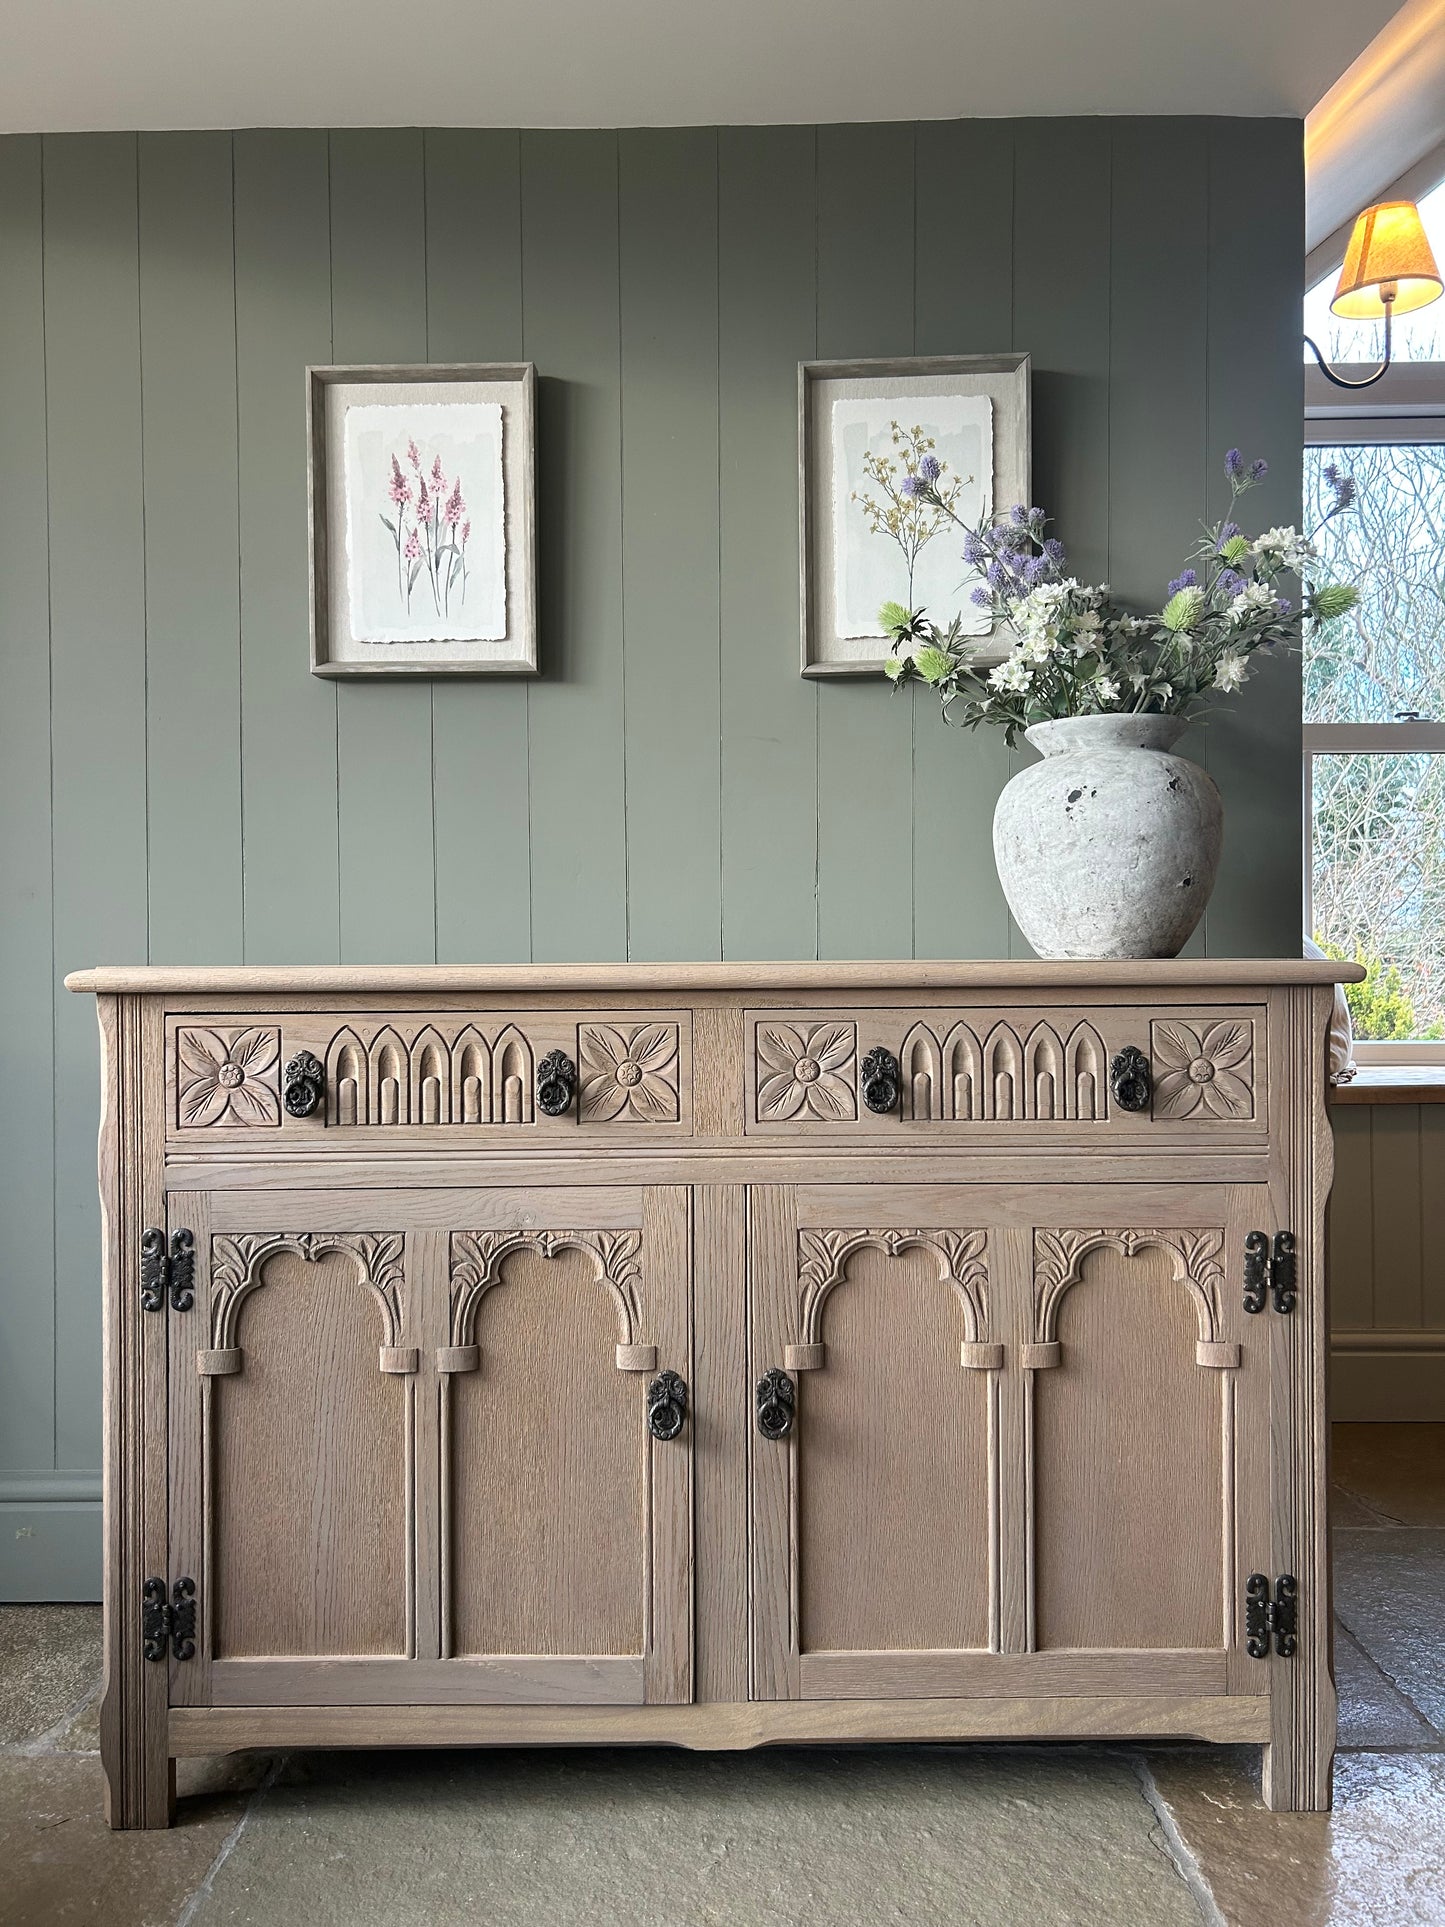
(974, 412)
(421, 492)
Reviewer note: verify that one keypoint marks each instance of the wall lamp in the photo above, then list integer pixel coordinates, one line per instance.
(1388, 270)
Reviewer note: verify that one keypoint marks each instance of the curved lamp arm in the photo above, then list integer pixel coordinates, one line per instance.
(1365, 381)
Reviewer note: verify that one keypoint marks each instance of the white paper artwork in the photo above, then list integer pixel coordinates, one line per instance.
(426, 538)
(924, 570)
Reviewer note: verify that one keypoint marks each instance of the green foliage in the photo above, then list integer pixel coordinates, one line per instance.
(1183, 610)
(1333, 600)
(1380, 1007)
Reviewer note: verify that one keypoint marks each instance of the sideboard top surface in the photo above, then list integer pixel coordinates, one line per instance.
(1139, 973)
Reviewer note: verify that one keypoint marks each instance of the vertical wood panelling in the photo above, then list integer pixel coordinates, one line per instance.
(288, 716)
(964, 301)
(865, 737)
(670, 590)
(384, 729)
(1352, 1230)
(27, 1281)
(479, 729)
(1432, 1216)
(98, 682)
(1159, 304)
(576, 772)
(1256, 389)
(192, 583)
(1396, 1199)
(767, 193)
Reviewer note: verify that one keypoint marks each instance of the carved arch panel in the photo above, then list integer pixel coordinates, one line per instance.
(1013, 1075)
(307, 1418)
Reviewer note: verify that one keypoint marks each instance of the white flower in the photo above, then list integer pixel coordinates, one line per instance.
(1255, 598)
(1283, 548)
(1086, 622)
(1106, 689)
(1013, 673)
(1230, 671)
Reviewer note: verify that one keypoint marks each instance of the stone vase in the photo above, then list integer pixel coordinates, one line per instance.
(1109, 847)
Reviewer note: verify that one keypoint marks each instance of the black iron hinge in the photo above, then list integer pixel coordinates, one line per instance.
(1269, 1618)
(1271, 1271)
(168, 1624)
(167, 1268)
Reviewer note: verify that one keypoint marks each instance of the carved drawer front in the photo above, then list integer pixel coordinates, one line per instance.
(1036, 1069)
(313, 1075)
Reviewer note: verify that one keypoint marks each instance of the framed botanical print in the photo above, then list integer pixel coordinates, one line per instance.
(958, 422)
(423, 520)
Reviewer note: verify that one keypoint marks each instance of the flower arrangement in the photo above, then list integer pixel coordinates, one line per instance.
(1077, 651)
(435, 539)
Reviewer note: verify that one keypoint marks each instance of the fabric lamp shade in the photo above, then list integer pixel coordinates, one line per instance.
(1388, 253)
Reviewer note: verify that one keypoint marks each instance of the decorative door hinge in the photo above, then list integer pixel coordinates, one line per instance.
(1267, 1618)
(165, 1269)
(168, 1624)
(1272, 1271)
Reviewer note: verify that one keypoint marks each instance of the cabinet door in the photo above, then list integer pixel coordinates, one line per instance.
(418, 1449)
(1029, 1441)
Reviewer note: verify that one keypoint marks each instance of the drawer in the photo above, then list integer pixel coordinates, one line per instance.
(306, 1077)
(1038, 1069)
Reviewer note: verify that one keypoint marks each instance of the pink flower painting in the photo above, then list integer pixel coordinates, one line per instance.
(431, 551)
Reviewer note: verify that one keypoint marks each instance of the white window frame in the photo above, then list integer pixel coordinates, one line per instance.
(1411, 409)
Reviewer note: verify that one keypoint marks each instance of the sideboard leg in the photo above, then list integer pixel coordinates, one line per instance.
(1297, 1768)
(140, 1778)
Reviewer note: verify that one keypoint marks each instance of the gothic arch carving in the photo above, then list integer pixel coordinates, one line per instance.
(921, 1065)
(477, 1258)
(960, 1256)
(238, 1267)
(1059, 1256)
(346, 1077)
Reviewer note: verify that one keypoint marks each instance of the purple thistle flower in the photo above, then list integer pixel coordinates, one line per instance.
(982, 597)
(910, 488)
(1234, 465)
(1283, 604)
(929, 469)
(1054, 550)
(1034, 571)
(1186, 579)
(975, 550)
(1229, 582)
(1258, 470)
(1019, 515)
(1228, 533)
(998, 576)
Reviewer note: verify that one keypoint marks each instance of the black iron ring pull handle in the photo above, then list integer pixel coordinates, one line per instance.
(305, 1081)
(556, 1082)
(777, 1402)
(666, 1406)
(1130, 1079)
(879, 1081)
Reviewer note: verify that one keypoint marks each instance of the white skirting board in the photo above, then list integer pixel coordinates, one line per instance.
(1383, 1377)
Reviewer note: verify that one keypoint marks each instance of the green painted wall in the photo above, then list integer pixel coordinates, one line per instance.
(174, 785)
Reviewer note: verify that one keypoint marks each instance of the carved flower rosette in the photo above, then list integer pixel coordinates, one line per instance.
(629, 1074)
(801, 1072)
(227, 1077)
(1208, 1070)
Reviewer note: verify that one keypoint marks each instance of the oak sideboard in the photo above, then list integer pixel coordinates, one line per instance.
(716, 1355)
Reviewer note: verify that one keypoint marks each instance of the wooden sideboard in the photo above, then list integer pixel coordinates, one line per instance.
(715, 1355)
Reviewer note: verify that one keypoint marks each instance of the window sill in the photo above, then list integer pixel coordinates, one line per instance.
(1393, 1084)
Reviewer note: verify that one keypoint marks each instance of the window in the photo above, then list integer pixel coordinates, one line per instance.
(1374, 693)
(1374, 681)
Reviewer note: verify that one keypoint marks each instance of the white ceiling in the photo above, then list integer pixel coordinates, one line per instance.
(74, 64)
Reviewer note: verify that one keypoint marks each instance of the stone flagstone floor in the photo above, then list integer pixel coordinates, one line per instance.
(962, 1836)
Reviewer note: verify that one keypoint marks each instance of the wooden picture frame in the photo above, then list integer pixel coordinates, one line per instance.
(987, 398)
(444, 495)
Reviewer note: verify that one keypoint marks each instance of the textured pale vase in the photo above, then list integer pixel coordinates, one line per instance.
(1109, 846)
